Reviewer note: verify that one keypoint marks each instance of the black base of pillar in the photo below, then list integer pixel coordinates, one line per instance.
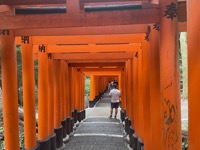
(132, 131)
(84, 114)
(91, 104)
(59, 137)
(71, 124)
(139, 144)
(74, 115)
(96, 99)
(35, 148)
(127, 125)
(68, 126)
(122, 116)
(79, 114)
(45, 144)
(134, 142)
(63, 123)
(124, 113)
(53, 142)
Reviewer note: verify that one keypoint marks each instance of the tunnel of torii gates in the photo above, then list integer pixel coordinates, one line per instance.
(137, 47)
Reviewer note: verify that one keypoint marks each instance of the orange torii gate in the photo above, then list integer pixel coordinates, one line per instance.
(150, 80)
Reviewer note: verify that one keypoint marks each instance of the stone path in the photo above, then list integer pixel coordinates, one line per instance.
(98, 131)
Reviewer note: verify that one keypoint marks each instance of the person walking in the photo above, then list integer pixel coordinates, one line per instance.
(115, 99)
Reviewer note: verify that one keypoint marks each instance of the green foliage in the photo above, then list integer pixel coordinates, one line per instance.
(185, 145)
(19, 75)
(36, 72)
(87, 86)
(1, 142)
(184, 139)
(21, 139)
(1, 145)
(1, 130)
(185, 125)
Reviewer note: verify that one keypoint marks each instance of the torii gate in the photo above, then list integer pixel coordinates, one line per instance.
(150, 79)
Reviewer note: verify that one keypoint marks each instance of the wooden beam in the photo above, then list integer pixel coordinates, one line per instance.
(97, 60)
(100, 69)
(88, 61)
(73, 6)
(182, 13)
(104, 73)
(31, 2)
(91, 48)
(108, 1)
(4, 8)
(93, 56)
(96, 2)
(182, 26)
(86, 39)
(45, 2)
(102, 18)
(95, 30)
(97, 64)
(77, 61)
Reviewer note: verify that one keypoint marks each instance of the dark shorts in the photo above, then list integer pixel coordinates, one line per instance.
(114, 105)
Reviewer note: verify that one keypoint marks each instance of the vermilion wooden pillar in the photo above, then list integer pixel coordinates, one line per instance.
(62, 98)
(42, 94)
(100, 83)
(146, 95)
(92, 88)
(135, 94)
(155, 96)
(83, 91)
(62, 78)
(96, 79)
(57, 115)
(128, 88)
(9, 95)
(140, 130)
(96, 87)
(123, 91)
(73, 88)
(193, 73)
(65, 93)
(131, 92)
(71, 96)
(81, 99)
(67, 83)
(50, 95)
(57, 104)
(77, 90)
(104, 83)
(120, 82)
(169, 75)
(28, 94)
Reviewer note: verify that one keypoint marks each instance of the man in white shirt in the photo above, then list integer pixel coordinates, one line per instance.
(115, 95)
